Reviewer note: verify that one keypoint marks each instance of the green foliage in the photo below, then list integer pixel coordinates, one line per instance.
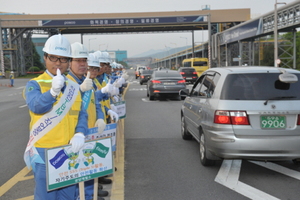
(34, 69)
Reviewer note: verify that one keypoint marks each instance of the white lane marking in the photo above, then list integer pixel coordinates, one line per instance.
(278, 168)
(137, 89)
(145, 100)
(18, 88)
(228, 176)
(22, 106)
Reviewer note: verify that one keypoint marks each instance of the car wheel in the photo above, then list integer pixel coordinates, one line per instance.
(184, 133)
(151, 97)
(204, 160)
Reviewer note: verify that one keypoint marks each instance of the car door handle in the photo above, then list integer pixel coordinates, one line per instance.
(191, 106)
(200, 110)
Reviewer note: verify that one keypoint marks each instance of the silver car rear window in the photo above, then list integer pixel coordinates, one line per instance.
(258, 86)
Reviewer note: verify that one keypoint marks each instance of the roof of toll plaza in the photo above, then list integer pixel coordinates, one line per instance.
(125, 22)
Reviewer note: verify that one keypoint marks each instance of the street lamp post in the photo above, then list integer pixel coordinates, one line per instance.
(276, 35)
(185, 44)
(90, 43)
(175, 55)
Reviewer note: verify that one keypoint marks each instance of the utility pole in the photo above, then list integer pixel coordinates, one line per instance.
(276, 60)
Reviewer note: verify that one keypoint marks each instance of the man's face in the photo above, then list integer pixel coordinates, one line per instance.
(54, 62)
(93, 71)
(79, 66)
(108, 69)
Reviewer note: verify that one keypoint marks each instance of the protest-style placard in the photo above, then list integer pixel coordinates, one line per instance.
(109, 131)
(121, 109)
(65, 167)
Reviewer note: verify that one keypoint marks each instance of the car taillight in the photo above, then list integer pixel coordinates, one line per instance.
(231, 117)
(298, 121)
(182, 73)
(155, 81)
(142, 76)
(181, 81)
(194, 72)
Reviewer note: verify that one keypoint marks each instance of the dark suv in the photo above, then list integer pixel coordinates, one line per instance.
(189, 74)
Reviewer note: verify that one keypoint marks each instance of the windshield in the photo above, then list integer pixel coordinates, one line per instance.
(259, 86)
(200, 63)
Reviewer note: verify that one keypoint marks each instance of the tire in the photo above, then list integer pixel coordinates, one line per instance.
(151, 97)
(147, 94)
(141, 83)
(184, 132)
(202, 149)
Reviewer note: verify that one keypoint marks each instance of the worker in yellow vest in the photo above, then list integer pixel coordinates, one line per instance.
(57, 115)
(78, 70)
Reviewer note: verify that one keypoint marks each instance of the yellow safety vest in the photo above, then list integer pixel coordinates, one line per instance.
(91, 109)
(102, 103)
(65, 130)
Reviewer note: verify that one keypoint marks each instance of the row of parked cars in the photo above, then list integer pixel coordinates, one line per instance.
(248, 112)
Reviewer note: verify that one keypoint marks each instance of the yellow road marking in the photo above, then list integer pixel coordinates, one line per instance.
(20, 176)
(27, 198)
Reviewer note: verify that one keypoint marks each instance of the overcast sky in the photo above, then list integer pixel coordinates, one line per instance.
(134, 43)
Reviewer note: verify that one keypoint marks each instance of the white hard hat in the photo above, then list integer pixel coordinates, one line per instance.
(79, 51)
(106, 57)
(58, 45)
(12, 72)
(113, 65)
(93, 60)
(101, 56)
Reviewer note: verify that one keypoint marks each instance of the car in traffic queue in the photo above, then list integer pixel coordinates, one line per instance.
(165, 83)
(138, 71)
(189, 74)
(145, 76)
(244, 113)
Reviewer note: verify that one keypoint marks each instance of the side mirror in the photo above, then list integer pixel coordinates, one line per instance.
(184, 92)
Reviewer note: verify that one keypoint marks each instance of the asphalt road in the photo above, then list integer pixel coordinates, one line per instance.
(158, 163)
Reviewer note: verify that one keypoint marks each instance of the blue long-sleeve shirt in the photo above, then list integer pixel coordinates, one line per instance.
(41, 103)
(99, 112)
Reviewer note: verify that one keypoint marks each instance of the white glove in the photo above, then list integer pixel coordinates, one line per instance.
(125, 76)
(101, 125)
(116, 99)
(114, 91)
(58, 82)
(113, 107)
(113, 115)
(117, 84)
(107, 88)
(121, 81)
(87, 84)
(77, 142)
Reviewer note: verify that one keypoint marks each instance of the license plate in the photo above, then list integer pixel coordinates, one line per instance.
(169, 83)
(272, 122)
(189, 78)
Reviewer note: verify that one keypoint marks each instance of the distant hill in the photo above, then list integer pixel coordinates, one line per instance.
(160, 53)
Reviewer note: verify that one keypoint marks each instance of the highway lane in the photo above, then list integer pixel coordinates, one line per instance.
(160, 165)
(14, 131)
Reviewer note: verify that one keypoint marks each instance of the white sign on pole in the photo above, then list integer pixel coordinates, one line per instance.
(65, 167)
(121, 109)
(109, 131)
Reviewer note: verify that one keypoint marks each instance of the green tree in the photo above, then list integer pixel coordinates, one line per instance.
(287, 39)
